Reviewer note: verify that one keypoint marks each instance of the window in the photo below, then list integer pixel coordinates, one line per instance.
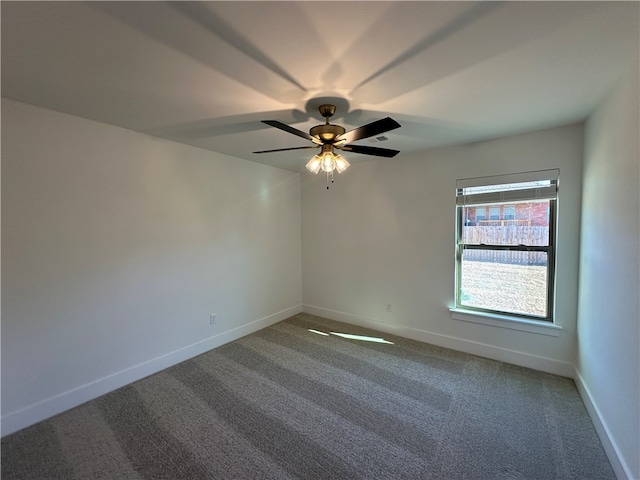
(494, 212)
(507, 268)
(510, 212)
(481, 214)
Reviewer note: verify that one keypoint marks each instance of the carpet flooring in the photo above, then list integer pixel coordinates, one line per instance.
(298, 401)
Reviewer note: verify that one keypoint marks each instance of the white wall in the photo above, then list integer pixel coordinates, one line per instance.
(608, 361)
(117, 246)
(384, 233)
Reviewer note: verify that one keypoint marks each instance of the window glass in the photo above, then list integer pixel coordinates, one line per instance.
(505, 264)
(505, 281)
(510, 212)
(531, 229)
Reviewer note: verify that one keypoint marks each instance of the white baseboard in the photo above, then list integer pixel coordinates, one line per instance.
(49, 407)
(522, 359)
(620, 467)
(34, 413)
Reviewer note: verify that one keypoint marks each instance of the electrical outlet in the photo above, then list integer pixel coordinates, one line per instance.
(212, 319)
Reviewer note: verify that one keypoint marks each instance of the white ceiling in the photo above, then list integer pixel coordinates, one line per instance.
(206, 73)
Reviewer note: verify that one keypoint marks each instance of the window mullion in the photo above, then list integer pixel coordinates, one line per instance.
(515, 248)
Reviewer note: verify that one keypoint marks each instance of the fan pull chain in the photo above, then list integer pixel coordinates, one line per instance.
(329, 173)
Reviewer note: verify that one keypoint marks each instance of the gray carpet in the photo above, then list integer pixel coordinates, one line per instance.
(291, 403)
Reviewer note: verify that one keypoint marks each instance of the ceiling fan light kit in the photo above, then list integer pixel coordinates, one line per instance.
(327, 161)
(329, 137)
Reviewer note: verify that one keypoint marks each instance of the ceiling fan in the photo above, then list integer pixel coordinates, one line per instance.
(328, 137)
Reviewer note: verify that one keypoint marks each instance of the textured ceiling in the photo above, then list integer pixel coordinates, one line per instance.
(206, 73)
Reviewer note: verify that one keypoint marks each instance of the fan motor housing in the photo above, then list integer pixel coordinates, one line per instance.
(327, 132)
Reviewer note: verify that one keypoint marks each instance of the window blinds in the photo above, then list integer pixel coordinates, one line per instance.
(540, 185)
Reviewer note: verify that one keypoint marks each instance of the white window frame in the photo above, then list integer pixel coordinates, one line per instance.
(548, 190)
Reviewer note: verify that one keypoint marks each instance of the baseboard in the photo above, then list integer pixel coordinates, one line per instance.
(620, 467)
(37, 412)
(522, 359)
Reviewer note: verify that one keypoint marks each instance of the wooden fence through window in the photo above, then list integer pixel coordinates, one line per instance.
(506, 235)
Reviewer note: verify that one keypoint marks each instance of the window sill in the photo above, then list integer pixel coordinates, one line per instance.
(505, 321)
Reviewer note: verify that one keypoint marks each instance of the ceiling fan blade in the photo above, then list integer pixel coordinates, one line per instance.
(369, 130)
(289, 129)
(285, 149)
(377, 151)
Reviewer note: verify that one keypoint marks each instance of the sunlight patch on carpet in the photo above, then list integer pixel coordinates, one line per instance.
(362, 337)
(318, 332)
(351, 336)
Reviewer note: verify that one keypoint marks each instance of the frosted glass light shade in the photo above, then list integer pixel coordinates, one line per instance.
(341, 163)
(314, 164)
(328, 163)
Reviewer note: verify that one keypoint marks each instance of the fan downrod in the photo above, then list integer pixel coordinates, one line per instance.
(327, 132)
